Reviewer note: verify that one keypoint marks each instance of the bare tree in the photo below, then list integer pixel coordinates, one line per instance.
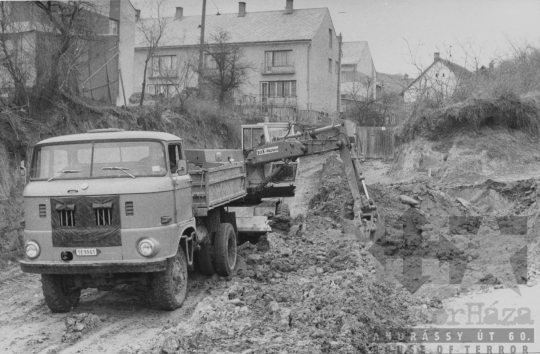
(13, 74)
(153, 30)
(177, 80)
(367, 108)
(186, 83)
(71, 25)
(225, 69)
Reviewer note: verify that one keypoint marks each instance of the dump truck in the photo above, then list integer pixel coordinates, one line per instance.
(112, 207)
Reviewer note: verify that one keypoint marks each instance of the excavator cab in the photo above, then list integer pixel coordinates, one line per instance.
(257, 135)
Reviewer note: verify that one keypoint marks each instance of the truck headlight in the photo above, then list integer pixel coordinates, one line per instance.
(147, 247)
(31, 249)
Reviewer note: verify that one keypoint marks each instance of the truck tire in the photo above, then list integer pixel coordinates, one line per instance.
(205, 259)
(168, 288)
(225, 250)
(283, 209)
(57, 295)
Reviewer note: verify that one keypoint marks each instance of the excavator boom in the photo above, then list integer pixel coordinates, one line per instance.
(291, 147)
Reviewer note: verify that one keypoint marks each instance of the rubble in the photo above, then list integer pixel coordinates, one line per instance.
(78, 325)
(307, 290)
(408, 200)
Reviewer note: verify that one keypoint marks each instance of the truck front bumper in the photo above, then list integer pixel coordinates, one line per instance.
(93, 268)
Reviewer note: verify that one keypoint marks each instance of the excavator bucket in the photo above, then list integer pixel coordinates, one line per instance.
(364, 208)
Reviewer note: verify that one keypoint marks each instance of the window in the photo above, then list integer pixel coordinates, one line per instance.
(330, 66)
(279, 58)
(164, 90)
(113, 27)
(210, 62)
(252, 137)
(337, 67)
(330, 37)
(101, 159)
(278, 89)
(175, 154)
(164, 66)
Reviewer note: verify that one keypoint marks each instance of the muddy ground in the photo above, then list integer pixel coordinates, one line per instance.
(312, 288)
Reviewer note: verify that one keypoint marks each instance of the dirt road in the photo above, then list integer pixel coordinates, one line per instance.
(28, 326)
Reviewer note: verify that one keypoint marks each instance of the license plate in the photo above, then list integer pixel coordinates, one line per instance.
(86, 252)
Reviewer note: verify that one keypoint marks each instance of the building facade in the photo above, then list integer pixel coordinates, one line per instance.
(358, 74)
(292, 54)
(31, 40)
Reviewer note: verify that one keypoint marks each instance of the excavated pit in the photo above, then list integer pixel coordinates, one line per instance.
(492, 224)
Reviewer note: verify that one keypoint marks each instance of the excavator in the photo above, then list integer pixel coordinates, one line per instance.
(272, 153)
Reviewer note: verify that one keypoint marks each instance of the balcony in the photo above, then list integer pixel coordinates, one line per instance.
(277, 70)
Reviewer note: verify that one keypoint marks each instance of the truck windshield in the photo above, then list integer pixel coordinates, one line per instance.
(128, 159)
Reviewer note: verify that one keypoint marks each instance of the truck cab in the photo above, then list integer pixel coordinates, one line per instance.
(109, 207)
(257, 135)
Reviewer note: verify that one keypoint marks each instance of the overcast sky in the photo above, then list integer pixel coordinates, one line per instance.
(470, 30)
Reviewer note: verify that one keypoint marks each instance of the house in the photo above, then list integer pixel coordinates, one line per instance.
(30, 39)
(392, 84)
(293, 54)
(439, 81)
(358, 74)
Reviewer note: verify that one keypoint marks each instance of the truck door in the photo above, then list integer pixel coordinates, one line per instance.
(181, 182)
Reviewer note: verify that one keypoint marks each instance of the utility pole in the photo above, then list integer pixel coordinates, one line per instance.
(339, 77)
(201, 47)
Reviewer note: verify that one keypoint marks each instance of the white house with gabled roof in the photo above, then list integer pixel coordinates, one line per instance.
(358, 74)
(293, 53)
(438, 82)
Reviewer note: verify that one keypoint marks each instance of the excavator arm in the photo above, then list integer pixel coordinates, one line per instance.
(291, 147)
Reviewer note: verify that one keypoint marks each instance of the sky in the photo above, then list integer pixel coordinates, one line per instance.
(403, 35)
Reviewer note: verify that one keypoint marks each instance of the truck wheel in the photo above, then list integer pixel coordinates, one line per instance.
(225, 250)
(169, 287)
(57, 294)
(283, 209)
(205, 259)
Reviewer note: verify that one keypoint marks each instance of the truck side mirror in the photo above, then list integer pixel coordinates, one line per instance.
(22, 169)
(181, 167)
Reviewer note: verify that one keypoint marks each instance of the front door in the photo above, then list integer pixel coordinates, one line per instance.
(182, 183)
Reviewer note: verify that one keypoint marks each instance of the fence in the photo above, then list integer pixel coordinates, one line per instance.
(376, 142)
(279, 109)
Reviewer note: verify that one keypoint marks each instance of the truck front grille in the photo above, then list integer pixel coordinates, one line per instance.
(86, 221)
(67, 217)
(103, 213)
(103, 216)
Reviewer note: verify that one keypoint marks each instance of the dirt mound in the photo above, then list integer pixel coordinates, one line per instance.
(311, 290)
(334, 198)
(467, 158)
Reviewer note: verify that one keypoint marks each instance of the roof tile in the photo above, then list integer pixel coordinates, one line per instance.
(266, 26)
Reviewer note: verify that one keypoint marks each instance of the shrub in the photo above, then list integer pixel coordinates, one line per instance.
(506, 96)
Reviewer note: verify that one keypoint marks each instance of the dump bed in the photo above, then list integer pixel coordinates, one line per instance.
(216, 184)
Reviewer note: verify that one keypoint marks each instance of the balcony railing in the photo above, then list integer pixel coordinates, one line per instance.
(265, 101)
(277, 70)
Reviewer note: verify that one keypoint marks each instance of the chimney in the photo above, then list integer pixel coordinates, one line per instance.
(179, 13)
(289, 7)
(137, 15)
(436, 56)
(241, 9)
